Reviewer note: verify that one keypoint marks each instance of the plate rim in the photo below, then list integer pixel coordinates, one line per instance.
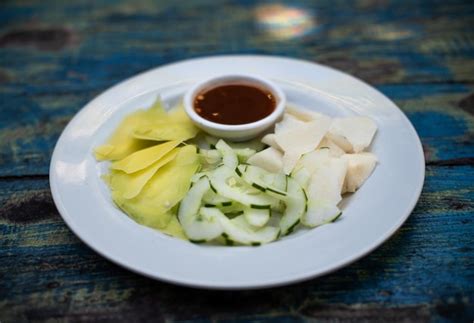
(190, 283)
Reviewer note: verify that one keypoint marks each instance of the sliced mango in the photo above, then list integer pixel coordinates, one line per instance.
(177, 114)
(174, 229)
(163, 191)
(144, 158)
(122, 143)
(158, 109)
(130, 185)
(175, 126)
(163, 130)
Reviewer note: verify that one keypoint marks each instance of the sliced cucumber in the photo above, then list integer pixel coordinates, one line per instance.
(210, 156)
(197, 176)
(273, 184)
(243, 154)
(226, 183)
(211, 141)
(257, 218)
(229, 157)
(215, 199)
(320, 213)
(198, 227)
(238, 231)
(254, 144)
(295, 207)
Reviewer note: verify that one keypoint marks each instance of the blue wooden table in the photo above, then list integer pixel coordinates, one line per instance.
(56, 56)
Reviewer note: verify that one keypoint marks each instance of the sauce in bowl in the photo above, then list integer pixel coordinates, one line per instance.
(234, 104)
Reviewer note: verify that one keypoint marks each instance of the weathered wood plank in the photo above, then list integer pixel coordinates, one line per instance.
(425, 271)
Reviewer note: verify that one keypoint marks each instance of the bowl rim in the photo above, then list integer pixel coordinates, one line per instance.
(243, 78)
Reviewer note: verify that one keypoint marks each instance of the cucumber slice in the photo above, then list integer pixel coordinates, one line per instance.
(257, 218)
(295, 207)
(211, 157)
(254, 144)
(243, 154)
(197, 176)
(212, 198)
(198, 227)
(320, 213)
(229, 157)
(239, 231)
(273, 184)
(227, 184)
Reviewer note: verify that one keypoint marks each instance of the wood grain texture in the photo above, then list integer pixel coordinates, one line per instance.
(55, 57)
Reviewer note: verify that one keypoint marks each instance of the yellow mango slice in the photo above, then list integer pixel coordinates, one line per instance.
(177, 114)
(103, 151)
(163, 191)
(144, 158)
(158, 109)
(176, 126)
(162, 131)
(122, 143)
(130, 185)
(174, 229)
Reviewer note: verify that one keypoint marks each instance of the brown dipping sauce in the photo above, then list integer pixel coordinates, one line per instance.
(234, 104)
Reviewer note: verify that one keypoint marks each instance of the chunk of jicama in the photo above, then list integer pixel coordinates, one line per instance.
(303, 114)
(269, 139)
(359, 168)
(334, 150)
(352, 134)
(327, 180)
(269, 159)
(287, 123)
(313, 159)
(300, 140)
(324, 191)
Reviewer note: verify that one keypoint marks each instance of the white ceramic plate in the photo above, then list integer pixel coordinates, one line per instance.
(370, 216)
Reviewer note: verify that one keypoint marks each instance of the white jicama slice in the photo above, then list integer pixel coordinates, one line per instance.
(269, 159)
(313, 159)
(334, 150)
(269, 139)
(303, 114)
(353, 134)
(327, 180)
(320, 212)
(324, 191)
(287, 123)
(298, 141)
(359, 168)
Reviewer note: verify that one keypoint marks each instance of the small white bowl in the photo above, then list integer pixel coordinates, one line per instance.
(239, 132)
